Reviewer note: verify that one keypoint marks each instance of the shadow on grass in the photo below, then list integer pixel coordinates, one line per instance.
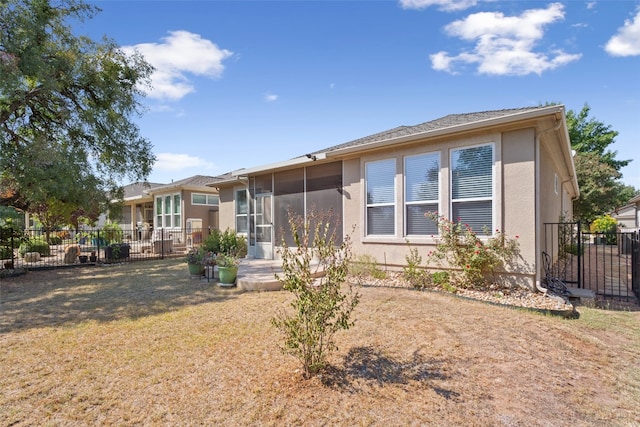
(366, 365)
(102, 293)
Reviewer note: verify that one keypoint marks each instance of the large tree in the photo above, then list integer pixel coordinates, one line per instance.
(597, 169)
(66, 109)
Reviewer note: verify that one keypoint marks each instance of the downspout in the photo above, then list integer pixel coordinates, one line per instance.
(538, 220)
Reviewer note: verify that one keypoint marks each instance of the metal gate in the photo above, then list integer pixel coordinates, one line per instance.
(607, 263)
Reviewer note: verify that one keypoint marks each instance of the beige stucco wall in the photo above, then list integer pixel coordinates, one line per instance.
(227, 208)
(514, 201)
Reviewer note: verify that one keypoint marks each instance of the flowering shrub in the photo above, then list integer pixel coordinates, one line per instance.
(476, 259)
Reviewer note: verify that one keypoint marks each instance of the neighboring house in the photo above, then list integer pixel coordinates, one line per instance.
(509, 169)
(137, 213)
(181, 211)
(628, 216)
(184, 209)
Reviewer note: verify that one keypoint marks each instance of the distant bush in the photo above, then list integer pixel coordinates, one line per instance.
(6, 252)
(34, 245)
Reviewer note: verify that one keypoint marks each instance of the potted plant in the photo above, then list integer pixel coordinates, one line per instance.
(227, 269)
(93, 257)
(195, 261)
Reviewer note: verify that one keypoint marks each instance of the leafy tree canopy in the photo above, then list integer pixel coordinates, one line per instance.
(597, 169)
(66, 105)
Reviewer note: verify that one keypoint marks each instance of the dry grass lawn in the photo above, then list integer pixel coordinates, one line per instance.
(143, 344)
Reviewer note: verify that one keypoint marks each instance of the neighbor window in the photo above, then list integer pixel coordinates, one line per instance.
(204, 199)
(472, 186)
(422, 173)
(242, 212)
(168, 211)
(381, 196)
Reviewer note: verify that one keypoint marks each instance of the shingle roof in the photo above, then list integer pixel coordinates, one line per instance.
(137, 189)
(441, 123)
(192, 181)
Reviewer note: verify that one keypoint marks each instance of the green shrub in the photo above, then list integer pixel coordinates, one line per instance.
(226, 243)
(321, 306)
(606, 225)
(34, 245)
(413, 273)
(476, 259)
(6, 252)
(440, 278)
(112, 233)
(365, 266)
(55, 240)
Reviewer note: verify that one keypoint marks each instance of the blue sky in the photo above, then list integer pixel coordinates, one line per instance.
(246, 83)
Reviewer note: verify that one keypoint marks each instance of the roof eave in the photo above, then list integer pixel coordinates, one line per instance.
(278, 165)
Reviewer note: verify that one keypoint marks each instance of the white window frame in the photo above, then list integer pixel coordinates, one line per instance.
(242, 214)
(491, 198)
(392, 204)
(166, 216)
(210, 199)
(406, 189)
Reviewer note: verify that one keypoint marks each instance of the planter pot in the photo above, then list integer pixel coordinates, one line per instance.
(93, 258)
(8, 265)
(227, 275)
(117, 251)
(196, 270)
(83, 259)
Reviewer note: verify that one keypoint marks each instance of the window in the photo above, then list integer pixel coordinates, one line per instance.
(422, 176)
(205, 199)
(242, 212)
(472, 186)
(381, 196)
(168, 211)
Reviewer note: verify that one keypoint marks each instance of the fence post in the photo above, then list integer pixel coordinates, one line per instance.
(580, 253)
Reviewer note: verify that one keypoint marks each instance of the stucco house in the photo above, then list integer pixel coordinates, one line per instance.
(509, 169)
(179, 211)
(628, 216)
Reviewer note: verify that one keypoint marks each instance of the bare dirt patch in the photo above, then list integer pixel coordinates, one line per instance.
(143, 344)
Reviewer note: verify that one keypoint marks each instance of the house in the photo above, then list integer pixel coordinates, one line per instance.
(628, 216)
(180, 211)
(509, 169)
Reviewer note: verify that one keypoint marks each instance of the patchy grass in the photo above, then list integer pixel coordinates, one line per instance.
(145, 344)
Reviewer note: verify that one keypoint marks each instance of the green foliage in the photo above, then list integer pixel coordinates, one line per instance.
(476, 258)
(364, 266)
(597, 169)
(226, 243)
(321, 307)
(34, 245)
(112, 233)
(413, 273)
(66, 109)
(55, 239)
(604, 224)
(440, 278)
(196, 256)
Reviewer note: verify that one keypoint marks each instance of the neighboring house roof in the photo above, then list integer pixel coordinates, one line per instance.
(137, 190)
(196, 182)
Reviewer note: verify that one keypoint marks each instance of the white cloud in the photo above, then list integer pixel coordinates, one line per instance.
(270, 97)
(445, 5)
(173, 162)
(626, 42)
(504, 45)
(180, 55)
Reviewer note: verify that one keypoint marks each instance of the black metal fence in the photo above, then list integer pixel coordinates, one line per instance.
(34, 248)
(607, 263)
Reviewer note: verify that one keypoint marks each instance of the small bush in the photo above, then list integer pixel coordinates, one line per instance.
(55, 240)
(226, 243)
(365, 266)
(440, 278)
(112, 233)
(6, 252)
(34, 245)
(572, 248)
(321, 306)
(413, 273)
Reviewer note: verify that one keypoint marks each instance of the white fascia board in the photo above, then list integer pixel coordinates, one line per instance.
(278, 165)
